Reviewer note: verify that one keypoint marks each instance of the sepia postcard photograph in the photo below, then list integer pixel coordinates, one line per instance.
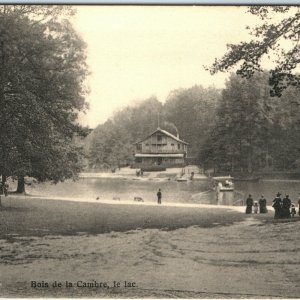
(149, 151)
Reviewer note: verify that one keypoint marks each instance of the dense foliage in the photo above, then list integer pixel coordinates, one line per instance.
(42, 72)
(276, 39)
(254, 131)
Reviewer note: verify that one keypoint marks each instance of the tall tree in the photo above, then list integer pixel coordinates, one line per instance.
(41, 92)
(277, 38)
(253, 131)
(192, 111)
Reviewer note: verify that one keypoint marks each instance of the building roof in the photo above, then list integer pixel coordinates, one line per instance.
(165, 133)
(159, 155)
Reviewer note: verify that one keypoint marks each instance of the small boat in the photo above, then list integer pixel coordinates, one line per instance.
(181, 179)
(224, 183)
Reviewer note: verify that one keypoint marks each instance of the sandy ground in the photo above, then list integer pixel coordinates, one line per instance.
(168, 251)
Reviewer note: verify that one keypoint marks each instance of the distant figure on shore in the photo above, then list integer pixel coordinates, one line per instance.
(293, 210)
(5, 189)
(262, 205)
(1, 188)
(159, 195)
(192, 176)
(286, 205)
(249, 204)
(255, 207)
(277, 204)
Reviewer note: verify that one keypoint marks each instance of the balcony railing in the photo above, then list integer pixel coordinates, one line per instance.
(153, 151)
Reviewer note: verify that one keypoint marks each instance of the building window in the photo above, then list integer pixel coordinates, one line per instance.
(178, 146)
(159, 138)
(138, 160)
(139, 147)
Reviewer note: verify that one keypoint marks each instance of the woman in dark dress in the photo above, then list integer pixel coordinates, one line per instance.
(277, 204)
(249, 204)
(286, 205)
(262, 205)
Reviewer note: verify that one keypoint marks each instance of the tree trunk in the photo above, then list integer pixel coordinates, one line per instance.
(249, 162)
(21, 185)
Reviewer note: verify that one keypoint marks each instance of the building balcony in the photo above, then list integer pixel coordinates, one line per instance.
(154, 151)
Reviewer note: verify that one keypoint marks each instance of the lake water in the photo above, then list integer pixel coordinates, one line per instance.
(173, 191)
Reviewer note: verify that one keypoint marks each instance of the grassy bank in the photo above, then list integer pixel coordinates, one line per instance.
(38, 217)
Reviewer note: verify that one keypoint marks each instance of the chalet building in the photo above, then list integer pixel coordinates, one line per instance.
(160, 148)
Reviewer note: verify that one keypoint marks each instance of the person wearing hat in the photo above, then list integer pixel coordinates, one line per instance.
(262, 205)
(277, 206)
(249, 204)
(286, 205)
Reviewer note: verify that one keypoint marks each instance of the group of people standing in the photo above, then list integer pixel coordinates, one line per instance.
(284, 208)
(255, 206)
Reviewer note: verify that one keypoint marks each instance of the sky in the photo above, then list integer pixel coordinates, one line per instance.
(135, 52)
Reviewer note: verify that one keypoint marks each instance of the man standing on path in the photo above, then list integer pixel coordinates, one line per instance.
(159, 196)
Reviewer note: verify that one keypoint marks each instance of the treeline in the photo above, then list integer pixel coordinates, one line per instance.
(239, 129)
(190, 111)
(253, 131)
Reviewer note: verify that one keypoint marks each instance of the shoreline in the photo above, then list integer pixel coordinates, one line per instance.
(237, 208)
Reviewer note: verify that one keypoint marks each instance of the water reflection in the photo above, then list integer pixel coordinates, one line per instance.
(269, 188)
(125, 189)
(226, 198)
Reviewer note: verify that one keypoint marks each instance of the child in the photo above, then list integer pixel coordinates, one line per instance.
(293, 210)
(255, 207)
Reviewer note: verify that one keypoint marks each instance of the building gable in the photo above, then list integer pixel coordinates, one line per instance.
(162, 132)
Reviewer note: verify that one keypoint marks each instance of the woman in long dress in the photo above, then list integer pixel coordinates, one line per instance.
(249, 204)
(277, 204)
(262, 205)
